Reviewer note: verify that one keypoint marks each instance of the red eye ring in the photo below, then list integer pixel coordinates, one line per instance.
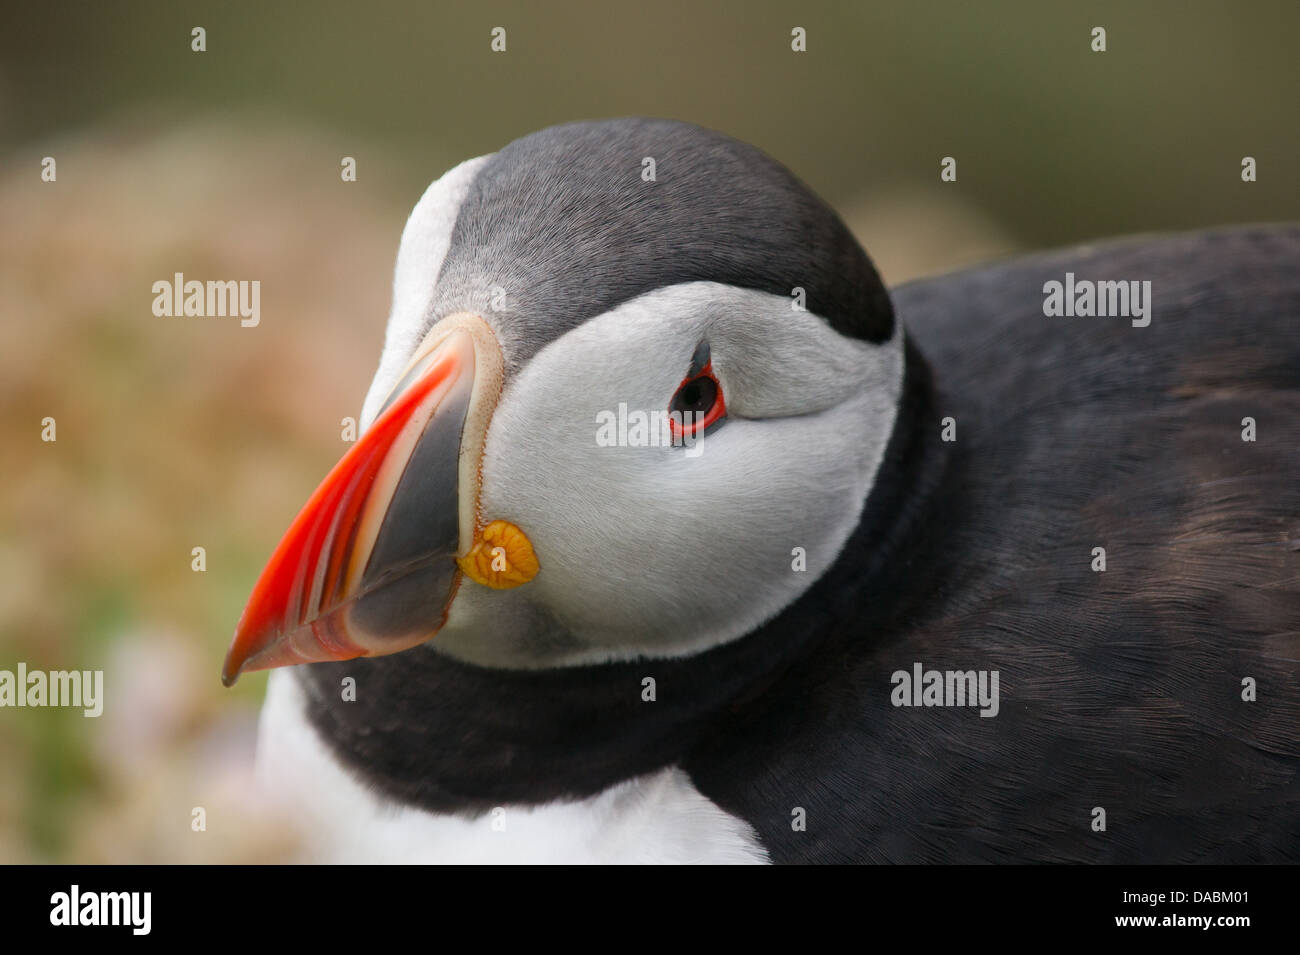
(699, 395)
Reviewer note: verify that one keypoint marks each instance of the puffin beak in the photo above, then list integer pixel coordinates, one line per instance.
(369, 565)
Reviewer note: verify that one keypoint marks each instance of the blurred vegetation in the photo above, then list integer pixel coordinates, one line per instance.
(175, 433)
(1056, 141)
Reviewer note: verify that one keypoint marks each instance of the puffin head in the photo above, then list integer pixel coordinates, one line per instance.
(637, 384)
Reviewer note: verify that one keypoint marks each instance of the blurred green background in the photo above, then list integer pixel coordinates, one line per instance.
(175, 433)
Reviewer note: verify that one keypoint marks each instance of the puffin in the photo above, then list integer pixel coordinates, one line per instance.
(673, 536)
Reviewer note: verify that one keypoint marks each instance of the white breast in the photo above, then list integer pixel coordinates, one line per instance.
(657, 818)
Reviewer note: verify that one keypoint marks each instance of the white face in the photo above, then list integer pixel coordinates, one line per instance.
(666, 550)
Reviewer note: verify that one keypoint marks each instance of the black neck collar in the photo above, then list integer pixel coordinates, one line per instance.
(445, 735)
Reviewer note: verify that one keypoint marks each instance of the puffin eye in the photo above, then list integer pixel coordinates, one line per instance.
(697, 405)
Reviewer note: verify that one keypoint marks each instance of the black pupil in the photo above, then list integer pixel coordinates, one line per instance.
(697, 395)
